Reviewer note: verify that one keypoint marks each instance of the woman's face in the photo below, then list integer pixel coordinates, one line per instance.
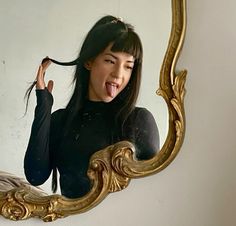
(110, 72)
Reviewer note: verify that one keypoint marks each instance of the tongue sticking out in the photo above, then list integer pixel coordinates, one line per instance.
(111, 89)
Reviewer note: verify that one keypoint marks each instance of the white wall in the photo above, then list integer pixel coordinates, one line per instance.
(198, 188)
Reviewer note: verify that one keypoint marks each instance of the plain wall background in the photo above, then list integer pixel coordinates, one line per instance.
(198, 188)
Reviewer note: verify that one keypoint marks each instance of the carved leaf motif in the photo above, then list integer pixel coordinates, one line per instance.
(118, 182)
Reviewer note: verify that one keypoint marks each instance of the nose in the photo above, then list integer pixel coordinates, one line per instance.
(117, 72)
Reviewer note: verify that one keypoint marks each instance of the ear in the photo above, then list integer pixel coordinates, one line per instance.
(88, 65)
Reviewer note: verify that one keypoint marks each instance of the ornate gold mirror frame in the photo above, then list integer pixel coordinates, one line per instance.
(112, 169)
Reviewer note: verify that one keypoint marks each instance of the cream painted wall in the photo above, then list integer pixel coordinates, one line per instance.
(198, 188)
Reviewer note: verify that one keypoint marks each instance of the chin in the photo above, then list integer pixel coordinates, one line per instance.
(108, 99)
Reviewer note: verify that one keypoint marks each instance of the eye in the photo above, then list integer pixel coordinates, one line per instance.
(129, 67)
(109, 61)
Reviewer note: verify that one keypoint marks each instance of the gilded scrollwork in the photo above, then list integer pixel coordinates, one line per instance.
(112, 169)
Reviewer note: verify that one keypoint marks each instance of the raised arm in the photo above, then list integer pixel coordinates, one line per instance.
(37, 162)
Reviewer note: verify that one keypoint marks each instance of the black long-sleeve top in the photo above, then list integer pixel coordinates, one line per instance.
(50, 146)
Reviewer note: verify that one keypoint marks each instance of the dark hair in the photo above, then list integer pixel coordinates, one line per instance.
(123, 38)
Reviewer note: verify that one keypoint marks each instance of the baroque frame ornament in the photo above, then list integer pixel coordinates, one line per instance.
(112, 168)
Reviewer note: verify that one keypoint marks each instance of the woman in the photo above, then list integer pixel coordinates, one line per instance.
(100, 112)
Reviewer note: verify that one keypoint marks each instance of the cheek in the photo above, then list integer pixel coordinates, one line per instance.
(99, 72)
(93, 81)
(96, 82)
(95, 74)
(127, 78)
(126, 81)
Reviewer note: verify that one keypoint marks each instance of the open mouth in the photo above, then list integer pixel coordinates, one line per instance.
(111, 88)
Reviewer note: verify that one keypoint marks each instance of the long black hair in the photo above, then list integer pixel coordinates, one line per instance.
(107, 30)
(122, 37)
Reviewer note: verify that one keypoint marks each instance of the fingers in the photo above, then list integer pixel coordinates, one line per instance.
(40, 78)
(40, 74)
(50, 85)
(45, 64)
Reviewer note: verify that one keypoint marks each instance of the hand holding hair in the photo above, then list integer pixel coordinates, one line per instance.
(40, 84)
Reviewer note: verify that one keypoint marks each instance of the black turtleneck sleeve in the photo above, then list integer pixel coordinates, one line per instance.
(37, 161)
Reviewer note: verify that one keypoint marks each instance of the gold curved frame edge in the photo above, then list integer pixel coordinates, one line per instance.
(173, 91)
(112, 169)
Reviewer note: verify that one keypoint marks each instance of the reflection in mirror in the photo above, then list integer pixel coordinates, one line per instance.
(39, 33)
(39, 36)
(101, 111)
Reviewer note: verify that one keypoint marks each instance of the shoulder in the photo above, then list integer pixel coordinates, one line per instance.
(59, 113)
(141, 129)
(58, 116)
(140, 113)
(140, 119)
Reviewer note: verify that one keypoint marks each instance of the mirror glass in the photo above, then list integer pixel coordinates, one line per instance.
(31, 30)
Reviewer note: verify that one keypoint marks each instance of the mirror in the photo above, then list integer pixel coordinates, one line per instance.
(31, 35)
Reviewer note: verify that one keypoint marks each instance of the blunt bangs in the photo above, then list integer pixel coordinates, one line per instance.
(129, 43)
(123, 37)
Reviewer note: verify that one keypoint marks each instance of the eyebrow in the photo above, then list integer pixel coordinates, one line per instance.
(112, 55)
